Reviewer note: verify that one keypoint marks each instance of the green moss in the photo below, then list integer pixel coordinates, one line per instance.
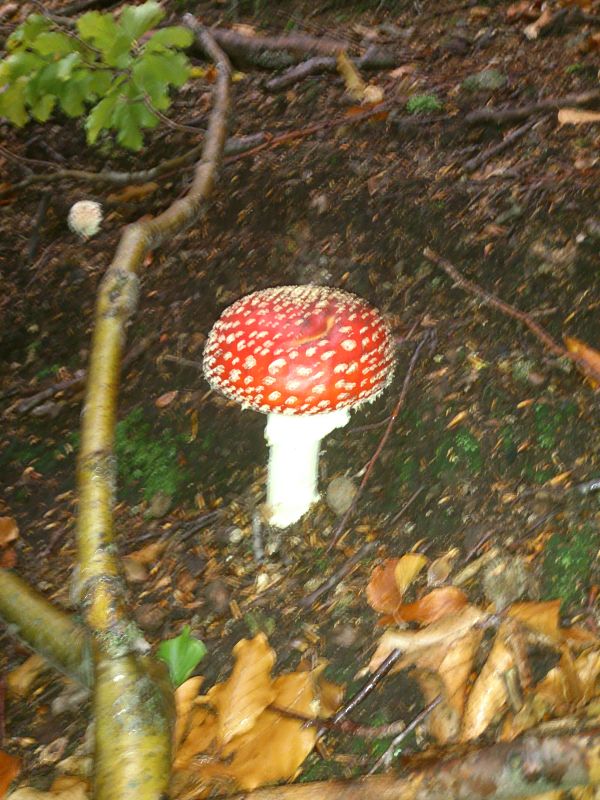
(459, 451)
(147, 457)
(423, 104)
(567, 566)
(550, 421)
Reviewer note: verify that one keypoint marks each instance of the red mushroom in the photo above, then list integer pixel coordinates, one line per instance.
(306, 356)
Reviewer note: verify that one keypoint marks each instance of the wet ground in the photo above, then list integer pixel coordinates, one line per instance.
(495, 434)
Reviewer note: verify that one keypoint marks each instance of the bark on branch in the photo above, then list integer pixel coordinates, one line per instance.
(526, 767)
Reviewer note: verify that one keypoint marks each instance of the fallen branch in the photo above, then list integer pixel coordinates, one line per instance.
(527, 767)
(233, 146)
(511, 311)
(384, 438)
(272, 52)
(479, 160)
(374, 58)
(500, 115)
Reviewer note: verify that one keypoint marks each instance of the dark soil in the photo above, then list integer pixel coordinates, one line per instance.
(351, 207)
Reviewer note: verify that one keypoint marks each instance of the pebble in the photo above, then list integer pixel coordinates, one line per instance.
(340, 494)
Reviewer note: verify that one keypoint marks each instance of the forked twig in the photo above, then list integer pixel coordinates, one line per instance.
(511, 311)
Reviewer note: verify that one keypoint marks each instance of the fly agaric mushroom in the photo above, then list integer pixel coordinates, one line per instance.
(306, 356)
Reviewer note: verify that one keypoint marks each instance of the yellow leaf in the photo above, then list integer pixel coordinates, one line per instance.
(489, 694)
(203, 730)
(184, 700)
(407, 569)
(456, 420)
(439, 570)
(355, 86)
(248, 691)
(540, 617)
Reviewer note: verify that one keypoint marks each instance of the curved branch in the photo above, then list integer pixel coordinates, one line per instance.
(46, 629)
(132, 731)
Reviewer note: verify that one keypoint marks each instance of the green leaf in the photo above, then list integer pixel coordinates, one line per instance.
(22, 64)
(182, 655)
(12, 103)
(72, 95)
(129, 133)
(28, 31)
(52, 43)
(100, 117)
(99, 82)
(99, 29)
(43, 108)
(136, 20)
(66, 66)
(169, 37)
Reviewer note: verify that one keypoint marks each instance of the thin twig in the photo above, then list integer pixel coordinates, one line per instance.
(342, 524)
(368, 686)
(338, 575)
(482, 115)
(386, 757)
(511, 311)
(510, 138)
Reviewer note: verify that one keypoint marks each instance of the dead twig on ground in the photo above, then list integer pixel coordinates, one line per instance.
(510, 311)
(339, 574)
(373, 58)
(372, 461)
(385, 759)
(479, 160)
(233, 146)
(500, 115)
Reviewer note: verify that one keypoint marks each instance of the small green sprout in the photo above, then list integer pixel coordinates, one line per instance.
(182, 655)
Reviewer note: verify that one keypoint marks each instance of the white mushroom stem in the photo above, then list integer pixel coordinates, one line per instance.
(295, 443)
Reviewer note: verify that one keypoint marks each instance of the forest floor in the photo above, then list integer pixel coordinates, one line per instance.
(498, 438)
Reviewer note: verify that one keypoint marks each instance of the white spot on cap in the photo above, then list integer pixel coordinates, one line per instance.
(327, 355)
(274, 396)
(276, 366)
(249, 362)
(349, 345)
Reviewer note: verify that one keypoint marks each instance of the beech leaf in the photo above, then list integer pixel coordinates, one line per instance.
(382, 592)
(433, 606)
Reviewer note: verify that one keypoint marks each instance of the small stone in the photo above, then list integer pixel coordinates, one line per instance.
(235, 535)
(150, 617)
(487, 79)
(160, 505)
(340, 494)
(345, 635)
(135, 571)
(217, 595)
(505, 580)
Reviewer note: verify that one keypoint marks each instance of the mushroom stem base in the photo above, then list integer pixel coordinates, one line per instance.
(294, 443)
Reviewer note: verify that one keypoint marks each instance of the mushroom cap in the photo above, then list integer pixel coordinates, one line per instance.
(299, 350)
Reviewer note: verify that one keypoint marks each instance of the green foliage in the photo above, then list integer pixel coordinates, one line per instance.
(567, 567)
(423, 104)
(182, 655)
(115, 73)
(148, 458)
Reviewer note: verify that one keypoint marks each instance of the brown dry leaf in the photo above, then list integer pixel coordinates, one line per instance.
(443, 723)
(355, 85)
(382, 592)
(577, 116)
(489, 695)
(65, 787)
(521, 10)
(404, 69)
(540, 617)
(9, 530)
(445, 631)
(331, 696)
(132, 193)
(249, 689)
(433, 606)
(149, 554)
(20, 680)
(166, 399)
(184, 701)
(276, 746)
(407, 569)
(201, 739)
(587, 355)
(533, 31)
(8, 558)
(439, 570)
(10, 766)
